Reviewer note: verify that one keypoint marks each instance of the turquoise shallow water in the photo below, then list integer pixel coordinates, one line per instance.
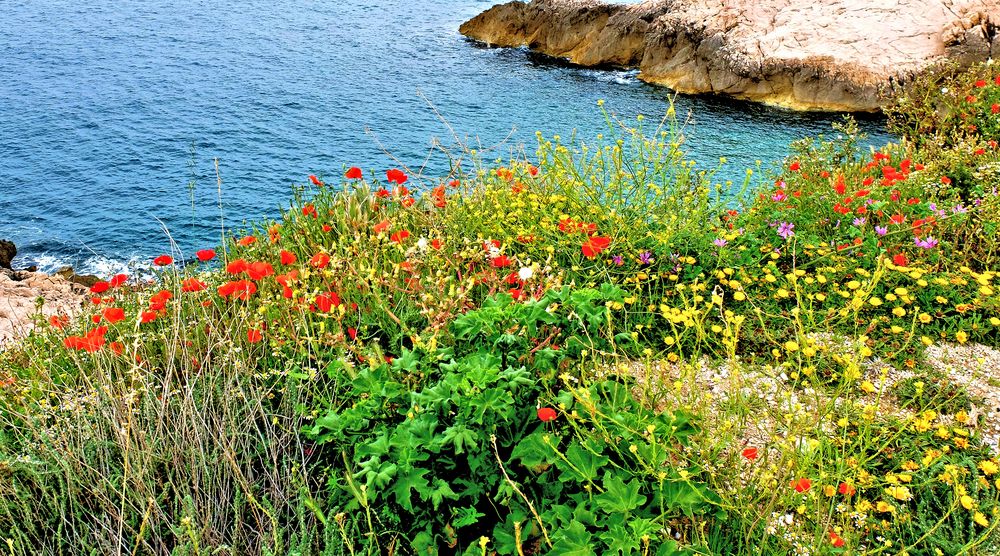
(111, 113)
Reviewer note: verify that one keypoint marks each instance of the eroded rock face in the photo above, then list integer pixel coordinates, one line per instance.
(815, 55)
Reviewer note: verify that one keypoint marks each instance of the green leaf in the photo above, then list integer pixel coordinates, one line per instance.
(533, 452)
(574, 540)
(460, 436)
(404, 485)
(441, 491)
(619, 497)
(582, 464)
(620, 540)
(466, 516)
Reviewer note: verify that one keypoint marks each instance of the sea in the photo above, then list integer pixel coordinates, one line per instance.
(131, 129)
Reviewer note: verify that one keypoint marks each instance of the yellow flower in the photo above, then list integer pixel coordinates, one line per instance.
(967, 502)
(899, 312)
(896, 329)
(883, 506)
(961, 336)
(829, 490)
(875, 302)
(899, 492)
(868, 387)
(979, 518)
(791, 345)
(924, 318)
(988, 467)
(994, 321)
(854, 284)
(820, 297)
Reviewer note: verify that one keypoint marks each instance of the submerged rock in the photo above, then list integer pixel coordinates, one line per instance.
(818, 55)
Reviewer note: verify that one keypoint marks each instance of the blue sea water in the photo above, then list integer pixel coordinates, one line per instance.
(112, 113)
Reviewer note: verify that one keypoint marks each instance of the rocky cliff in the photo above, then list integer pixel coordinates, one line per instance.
(809, 55)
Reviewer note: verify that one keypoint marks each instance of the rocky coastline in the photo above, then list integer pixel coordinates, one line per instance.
(819, 55)
(26, 295)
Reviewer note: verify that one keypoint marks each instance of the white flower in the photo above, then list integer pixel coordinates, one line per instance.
(944, 90)
(422, 243)
(525, 273)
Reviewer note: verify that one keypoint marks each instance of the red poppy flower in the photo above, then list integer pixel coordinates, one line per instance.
(319, 260)
(840, 187)
(259, 270)
(287, 257)
(309, 210)
(254, 336)
(546, 414)
(58, 321)
(381, 227)
(148, 316)
(899, 259)
(99, 287)
(353, 173)
(516, 294)
(240, 289)
(205, 255)
(897, 218)
(846, 489)
(315, 180)
(284, 279)
(801, 485)
(399, 236)
(594, 245)
(327, 301)
(502, 261)
(533, 170)
(238, 266)
(407, 201)
(113, 314)
(945, 180)
(116, 347)
(352, 333)
(118, 280)
(249, 240)
(995, 108)
(436, 243)
(327, 227)
(794, 166)
(835, 540)
(163, 260)
(437, 194)
(395, 176)
(750, 453)
(190, 285)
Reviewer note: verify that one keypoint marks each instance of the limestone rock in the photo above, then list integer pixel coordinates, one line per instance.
(816, 55)
(26, 295)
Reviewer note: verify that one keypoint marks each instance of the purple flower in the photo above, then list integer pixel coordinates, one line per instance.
(785, 230)
(959, 209)
(927, 243)
(859, 221)
(881, 230)
(935, 210)
(720, 242)
(618, 260)
(645, 257)
(779, 196)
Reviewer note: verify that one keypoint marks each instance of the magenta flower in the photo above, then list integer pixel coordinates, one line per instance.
(785, 230)
(720, 242)
(881, 230)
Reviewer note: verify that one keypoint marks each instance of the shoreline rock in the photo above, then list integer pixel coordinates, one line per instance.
(63, 294)
(823, 55)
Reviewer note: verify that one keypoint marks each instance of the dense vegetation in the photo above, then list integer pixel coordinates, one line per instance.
(595, 352)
